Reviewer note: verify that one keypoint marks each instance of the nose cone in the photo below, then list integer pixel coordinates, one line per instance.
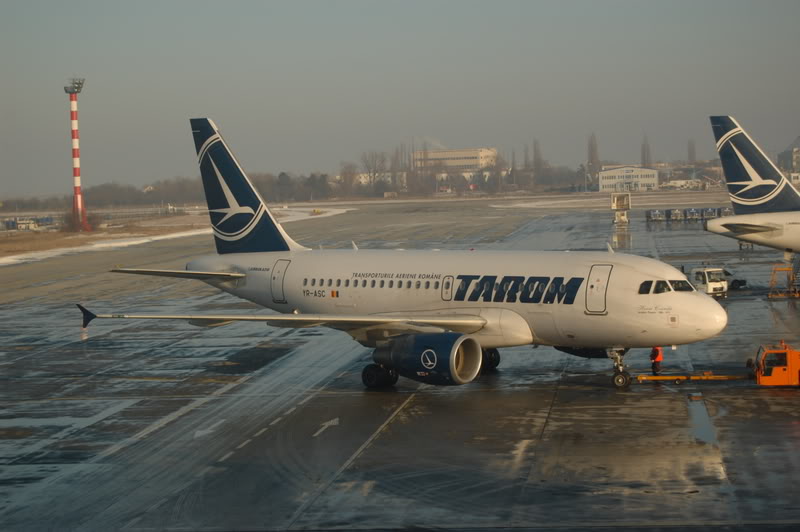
(708, 317)
(714, 226)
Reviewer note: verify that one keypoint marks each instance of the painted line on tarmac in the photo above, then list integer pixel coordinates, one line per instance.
(245, 442)
(303, 507)
(228, 455)
(260, 432)
(169, 419)
(274, 421)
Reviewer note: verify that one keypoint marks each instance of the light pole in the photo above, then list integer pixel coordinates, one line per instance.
(79, 220)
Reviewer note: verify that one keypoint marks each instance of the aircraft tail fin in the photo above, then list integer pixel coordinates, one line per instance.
(240, 219)
(755, 184)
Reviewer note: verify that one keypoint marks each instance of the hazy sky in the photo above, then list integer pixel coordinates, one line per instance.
(301, 86)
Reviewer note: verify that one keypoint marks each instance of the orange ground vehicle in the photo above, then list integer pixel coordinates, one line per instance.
(776, 365)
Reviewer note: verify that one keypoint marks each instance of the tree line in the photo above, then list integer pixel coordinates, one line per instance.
(377, 174)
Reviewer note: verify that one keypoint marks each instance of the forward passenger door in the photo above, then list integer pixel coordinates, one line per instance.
(597, 287)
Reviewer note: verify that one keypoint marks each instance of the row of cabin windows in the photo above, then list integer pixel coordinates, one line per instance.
(338, 283)
(665, 286)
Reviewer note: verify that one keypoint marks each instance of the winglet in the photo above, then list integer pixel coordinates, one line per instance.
(88, 316)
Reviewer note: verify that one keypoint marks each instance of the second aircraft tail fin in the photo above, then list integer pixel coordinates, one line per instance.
(755, 184)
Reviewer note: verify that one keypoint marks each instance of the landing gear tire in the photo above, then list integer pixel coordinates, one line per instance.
(622, 379)
(375, 376)
(490, 360)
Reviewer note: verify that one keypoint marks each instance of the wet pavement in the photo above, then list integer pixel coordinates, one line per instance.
(144, 425)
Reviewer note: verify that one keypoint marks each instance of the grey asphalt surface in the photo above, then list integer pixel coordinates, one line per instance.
(165, 426)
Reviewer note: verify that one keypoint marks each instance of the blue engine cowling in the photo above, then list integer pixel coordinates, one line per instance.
(436, 358)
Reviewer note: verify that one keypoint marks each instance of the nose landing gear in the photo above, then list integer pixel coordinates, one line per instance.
(621, 379)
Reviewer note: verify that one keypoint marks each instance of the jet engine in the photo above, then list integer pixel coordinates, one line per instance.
(436, 358)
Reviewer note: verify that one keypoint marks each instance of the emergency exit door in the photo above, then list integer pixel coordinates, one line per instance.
(596, 288)
(276, 284)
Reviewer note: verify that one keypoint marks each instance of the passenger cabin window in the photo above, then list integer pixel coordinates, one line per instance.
(661, 287)
(391, 284)
(313, 282)
(330, 282)
(645, 287)
(682, 286)
(427, 284)
(408, 284)
(436, 285)
(418, 284)
(305, 282)
(382, 282)
(447, 285)
(364, 283)
(338, 283)
(347, 283)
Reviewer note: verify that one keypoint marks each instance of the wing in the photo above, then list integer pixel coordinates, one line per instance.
(357, 325)
(183, 274)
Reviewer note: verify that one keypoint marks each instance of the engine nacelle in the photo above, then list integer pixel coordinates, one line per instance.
(435, 358)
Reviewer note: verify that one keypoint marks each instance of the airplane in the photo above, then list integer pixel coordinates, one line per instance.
(765, 204)
(436, 317)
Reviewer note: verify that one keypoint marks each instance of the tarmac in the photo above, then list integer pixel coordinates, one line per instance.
(139, 425)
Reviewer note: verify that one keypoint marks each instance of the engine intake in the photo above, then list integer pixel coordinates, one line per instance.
(437, 358)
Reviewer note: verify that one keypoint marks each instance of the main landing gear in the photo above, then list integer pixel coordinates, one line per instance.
(621, 379)
(376, 376)
(490, 359)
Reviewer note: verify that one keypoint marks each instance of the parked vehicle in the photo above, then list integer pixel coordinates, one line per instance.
(675, 215)
(710, 280)
(691, 215)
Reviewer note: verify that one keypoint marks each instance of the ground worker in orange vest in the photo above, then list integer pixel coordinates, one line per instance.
(656, 357)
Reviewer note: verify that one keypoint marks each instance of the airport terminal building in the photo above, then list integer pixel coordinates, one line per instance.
(465, 161)
(627, 179)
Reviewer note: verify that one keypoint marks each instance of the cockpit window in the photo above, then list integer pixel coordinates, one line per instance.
(661, 287)
(682, 286)
(644, 288)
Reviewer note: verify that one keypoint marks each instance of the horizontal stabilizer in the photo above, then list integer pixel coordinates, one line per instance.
(88, 316)
(743, 229)
(458, 322)
(183, 274)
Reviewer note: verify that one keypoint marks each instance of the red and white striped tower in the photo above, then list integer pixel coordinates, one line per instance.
(79, 219)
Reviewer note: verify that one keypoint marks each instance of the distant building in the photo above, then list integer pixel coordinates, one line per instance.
(463, 161)
(789, 159)
(628, 179)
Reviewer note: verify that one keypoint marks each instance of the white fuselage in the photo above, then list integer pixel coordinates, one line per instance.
(575, 299)
(779, 230)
